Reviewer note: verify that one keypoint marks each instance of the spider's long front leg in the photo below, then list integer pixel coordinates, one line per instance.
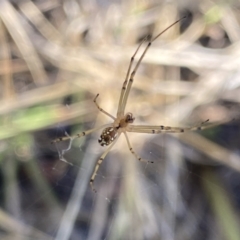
(100, 109)
(132, 151)
(99, 162)
(162, 129)
(130, 82)
(120, 111)
(80, 134)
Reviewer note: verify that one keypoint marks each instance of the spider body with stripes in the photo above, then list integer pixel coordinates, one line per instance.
(109, 134)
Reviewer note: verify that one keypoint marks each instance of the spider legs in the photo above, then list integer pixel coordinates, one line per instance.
(99, 162)
(100, 109)
(128, 82)
(132, 151)
(120, 105)
(80, 134)
(164, 129)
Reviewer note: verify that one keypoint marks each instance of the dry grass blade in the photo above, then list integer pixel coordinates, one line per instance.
(6, 64)
(55, 56)
(12, 21)
(32, 12)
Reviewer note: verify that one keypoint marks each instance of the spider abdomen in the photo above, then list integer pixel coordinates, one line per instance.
(108, 136)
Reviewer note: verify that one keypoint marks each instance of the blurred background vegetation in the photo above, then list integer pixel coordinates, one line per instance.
(55, 56)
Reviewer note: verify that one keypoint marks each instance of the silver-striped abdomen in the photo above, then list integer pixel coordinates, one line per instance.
(108, 136)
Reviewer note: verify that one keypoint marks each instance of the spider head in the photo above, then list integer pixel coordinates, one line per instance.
(129, 118)
(122, 123)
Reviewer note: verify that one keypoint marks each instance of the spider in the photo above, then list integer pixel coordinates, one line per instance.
(122, 123)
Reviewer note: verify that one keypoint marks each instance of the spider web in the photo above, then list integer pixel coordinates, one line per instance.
(134, 200)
